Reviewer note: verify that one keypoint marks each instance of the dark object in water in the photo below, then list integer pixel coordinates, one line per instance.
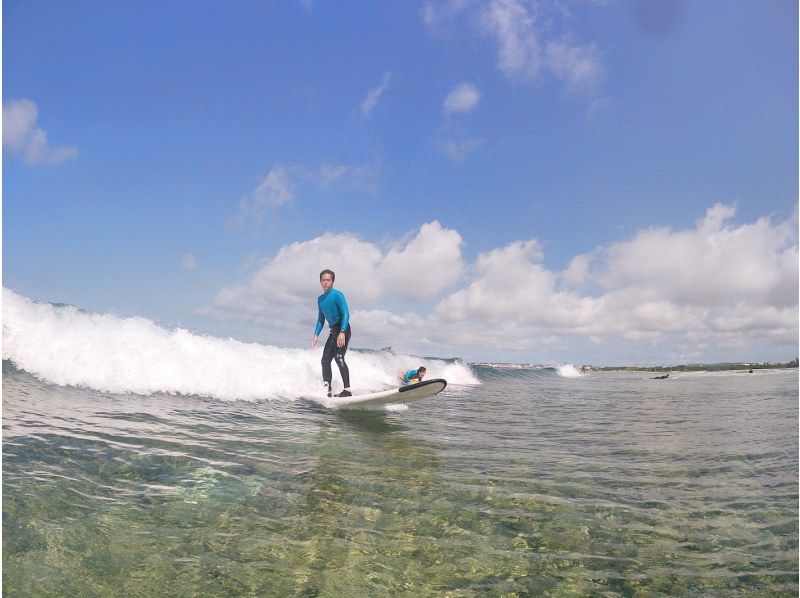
(661, 377)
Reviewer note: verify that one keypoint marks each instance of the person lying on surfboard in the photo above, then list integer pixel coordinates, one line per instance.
(333, 307)
(414, 376)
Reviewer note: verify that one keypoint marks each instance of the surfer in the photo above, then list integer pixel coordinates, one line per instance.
(333, 308)
(414, 376)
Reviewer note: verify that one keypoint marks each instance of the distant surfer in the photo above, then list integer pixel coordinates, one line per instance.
(333, 308)
(414, 376)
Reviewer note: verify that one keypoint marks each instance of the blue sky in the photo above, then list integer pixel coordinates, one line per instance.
(606, 182)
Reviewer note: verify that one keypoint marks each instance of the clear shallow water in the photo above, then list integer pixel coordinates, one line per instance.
(530, 483)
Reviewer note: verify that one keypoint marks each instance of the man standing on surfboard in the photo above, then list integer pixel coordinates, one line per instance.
(333, 308)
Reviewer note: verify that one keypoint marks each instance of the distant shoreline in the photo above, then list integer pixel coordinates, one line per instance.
(698, 367)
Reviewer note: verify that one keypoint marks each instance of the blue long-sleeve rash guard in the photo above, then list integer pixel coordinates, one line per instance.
(332, 307)
(407, 377)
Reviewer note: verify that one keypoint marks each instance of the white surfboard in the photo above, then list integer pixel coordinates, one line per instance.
(404, 394)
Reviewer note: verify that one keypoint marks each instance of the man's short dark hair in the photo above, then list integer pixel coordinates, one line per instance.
(422, 368)
(333, 276)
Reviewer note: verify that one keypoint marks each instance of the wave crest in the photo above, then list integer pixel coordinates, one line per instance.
(68, 346)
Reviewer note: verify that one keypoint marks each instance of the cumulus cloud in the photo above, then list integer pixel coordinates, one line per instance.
(712, 287)
(291, 276)
(374, 95)
(661, 286)
(513, 288)
(712, 264)
(464, 98)
(711, 279)
(20, 134)
(578, 270)
(416, 270)
(380, 327)
(423, 267)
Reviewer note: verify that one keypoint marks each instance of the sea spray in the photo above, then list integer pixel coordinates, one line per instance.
(70, 347)
(568, 371)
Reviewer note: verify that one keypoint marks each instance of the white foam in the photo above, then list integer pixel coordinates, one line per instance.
(568, 371)
(71, 347)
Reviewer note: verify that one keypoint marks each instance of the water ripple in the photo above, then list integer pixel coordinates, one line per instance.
(597, 485)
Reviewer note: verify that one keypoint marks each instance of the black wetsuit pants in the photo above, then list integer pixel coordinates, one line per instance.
(332, 352)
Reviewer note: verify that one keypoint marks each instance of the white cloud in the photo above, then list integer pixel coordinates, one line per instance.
(378, 327)
(709, 280)
(578, 66)
(578, 271)
(711, 264)
(283, 185)
(374, 95)
(519, 53)
(349, 177)
(189, 262)
(291, 277)
(512, 286)
(713, 287)
(428, 264)
(19, 121)
(331, 174)
(414, 271)
(522, 53)
(463, 98)
(21, 134)
(531, 39)
(273, 191)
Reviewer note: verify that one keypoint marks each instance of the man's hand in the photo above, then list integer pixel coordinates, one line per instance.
(314, 341)
(340, 340)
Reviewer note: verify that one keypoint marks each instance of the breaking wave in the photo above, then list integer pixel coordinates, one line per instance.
(67, 346)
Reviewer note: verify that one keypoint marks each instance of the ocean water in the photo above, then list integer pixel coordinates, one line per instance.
(144, 461)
